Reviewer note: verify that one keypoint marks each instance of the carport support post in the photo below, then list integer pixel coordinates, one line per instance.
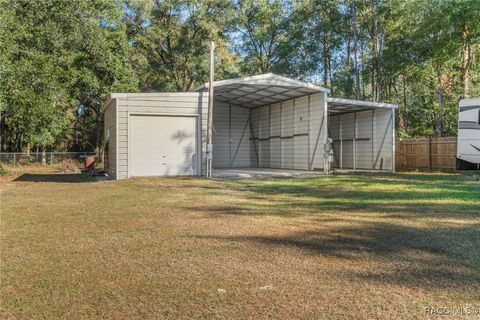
(354, 141)
(210, 113)
(326, 163)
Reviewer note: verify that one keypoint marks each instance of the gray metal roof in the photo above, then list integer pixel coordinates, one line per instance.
(260, 90)
(339, 105)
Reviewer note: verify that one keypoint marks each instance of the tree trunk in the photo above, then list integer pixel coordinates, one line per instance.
(349, 46)
(348, 87)
(374, 92)
(44, 156)
(439, 114)
(402, 126)
(28, 147)
(362, 58)
(325, 60)
(380, 81)
(329, 69)
(355, 48)
(373, 35)
(466, 61)
(98, 130)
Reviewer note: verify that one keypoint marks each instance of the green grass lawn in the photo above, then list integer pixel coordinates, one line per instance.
(353, 246)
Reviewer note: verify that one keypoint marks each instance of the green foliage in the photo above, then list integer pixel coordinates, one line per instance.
(59, 60)
(262, 30)
(100, 64)
(172, 40)
(433, 37)
(32, 95)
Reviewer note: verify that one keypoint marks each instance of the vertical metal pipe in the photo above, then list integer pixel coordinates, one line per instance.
(325, 133)
(293, 136)
(269, 135)
(373, 140)
(340, 134)
(354, 141)
(230, 135)
(393, 140)
(309, 162)
(210, 112)
(281, 132)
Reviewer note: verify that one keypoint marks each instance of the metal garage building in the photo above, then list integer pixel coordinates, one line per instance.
(264, 121)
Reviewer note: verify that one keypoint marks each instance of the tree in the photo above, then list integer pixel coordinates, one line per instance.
(59, 60)
(355, 49)
(317, 44)
(61, 56)
(100, 63)
(261, 30)
(174, 40)
(433, 44)
(33, 97)
(463, 19)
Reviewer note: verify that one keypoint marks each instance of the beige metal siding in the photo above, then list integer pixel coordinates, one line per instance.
(110, 135)
(300, 134)
(348, 133)
(363, 140)
(317, 130)
(287, 135)
(335, 132)
(383, 128)
(189, 103)
(275, 132)
(364, 155)
(231, 144)
(239, 135)
(264, 136)
(221, 135)
(254, 141)
(290, 134)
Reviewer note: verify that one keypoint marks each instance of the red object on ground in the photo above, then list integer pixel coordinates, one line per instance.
(89, 163)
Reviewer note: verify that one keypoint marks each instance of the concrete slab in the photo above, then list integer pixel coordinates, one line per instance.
(263, 173)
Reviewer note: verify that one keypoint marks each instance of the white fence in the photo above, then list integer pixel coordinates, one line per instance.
(36, 157)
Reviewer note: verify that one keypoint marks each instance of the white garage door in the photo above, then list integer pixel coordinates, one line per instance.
(162, 146)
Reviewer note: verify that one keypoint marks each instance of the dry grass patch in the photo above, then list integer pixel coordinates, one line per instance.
(348, 246)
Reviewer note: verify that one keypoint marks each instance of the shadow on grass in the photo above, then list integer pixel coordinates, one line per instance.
(55, 177)
(412, 195)
(409, 249)
(417, 257)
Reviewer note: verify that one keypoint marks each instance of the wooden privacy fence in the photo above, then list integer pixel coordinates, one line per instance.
(426, 153)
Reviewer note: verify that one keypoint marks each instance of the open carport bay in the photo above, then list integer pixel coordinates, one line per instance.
(278, 123)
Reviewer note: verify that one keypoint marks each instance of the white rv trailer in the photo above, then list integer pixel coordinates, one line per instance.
(468, 144)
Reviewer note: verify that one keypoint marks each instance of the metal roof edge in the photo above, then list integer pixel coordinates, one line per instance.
(125, 95)
(265, 76)
(363, 103)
